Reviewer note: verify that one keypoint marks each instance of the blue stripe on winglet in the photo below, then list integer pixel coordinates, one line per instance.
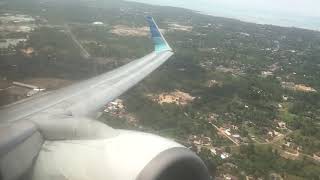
(160, 44)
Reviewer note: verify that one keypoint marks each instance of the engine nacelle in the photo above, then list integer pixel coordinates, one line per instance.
(128, 156)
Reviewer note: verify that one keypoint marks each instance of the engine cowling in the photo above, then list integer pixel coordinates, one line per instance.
(128, 156)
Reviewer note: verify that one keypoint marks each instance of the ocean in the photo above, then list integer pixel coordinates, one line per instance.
(277, 18)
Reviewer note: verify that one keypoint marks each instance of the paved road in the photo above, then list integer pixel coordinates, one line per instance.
(84, 53)
(225, 135)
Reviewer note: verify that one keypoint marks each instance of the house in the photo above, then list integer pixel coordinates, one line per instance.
(236, 136)
(287, 85)
(206, 141)
(224, 155)
(276, 133)
(115, 107)
(227, 131)
(235, 127)
(282, 125)
(213, 151)
(266, 73)
(275, 176)
(200, 140)
(288, 144)
(97, 23)
(316, 156)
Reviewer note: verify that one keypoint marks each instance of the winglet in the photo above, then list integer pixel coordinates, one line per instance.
(160, 43)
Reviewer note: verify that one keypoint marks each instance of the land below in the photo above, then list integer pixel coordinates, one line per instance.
(245, 97)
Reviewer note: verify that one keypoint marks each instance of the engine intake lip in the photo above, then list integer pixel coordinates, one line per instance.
(175, 164)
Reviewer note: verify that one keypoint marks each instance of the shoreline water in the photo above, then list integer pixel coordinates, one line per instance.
(263, 18)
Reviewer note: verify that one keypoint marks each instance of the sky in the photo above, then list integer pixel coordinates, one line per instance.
(297, 13)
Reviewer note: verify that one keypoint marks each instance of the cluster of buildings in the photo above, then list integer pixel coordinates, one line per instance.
(178, 27)
(7, 46)
(115, 107)
(15, 18)
(316, 156)
(226, 177)
(123, 30)
(177, 97)
(297, 87)
(266, 73)
(290, 146)
(17, 24)
(281, 126)
(201, 141)
(270, 70)
(220, 152)
(212, 117)
(231, 132)
(28, 52)
(212, 83)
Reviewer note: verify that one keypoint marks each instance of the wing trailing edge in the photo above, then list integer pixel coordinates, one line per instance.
(160, 43)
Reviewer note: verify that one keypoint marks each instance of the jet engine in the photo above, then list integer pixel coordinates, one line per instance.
(71, 148)
(128, 156)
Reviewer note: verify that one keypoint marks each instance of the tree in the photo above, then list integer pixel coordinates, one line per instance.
(228, 149)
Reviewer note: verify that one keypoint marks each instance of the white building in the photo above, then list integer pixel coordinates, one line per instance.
(227, 131)
(224, 155)
(97, 23)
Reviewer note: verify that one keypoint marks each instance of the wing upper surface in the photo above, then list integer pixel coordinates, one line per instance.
(90, 95)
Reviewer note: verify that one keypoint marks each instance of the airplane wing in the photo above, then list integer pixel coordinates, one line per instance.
(53, 137)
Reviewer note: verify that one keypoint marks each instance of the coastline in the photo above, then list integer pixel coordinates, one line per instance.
(262, 18)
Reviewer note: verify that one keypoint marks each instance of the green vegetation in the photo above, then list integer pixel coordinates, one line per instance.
(247, 63)
(261, 161)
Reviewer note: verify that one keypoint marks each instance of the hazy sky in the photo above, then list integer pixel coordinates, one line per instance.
(299, 13)
(301, 7)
